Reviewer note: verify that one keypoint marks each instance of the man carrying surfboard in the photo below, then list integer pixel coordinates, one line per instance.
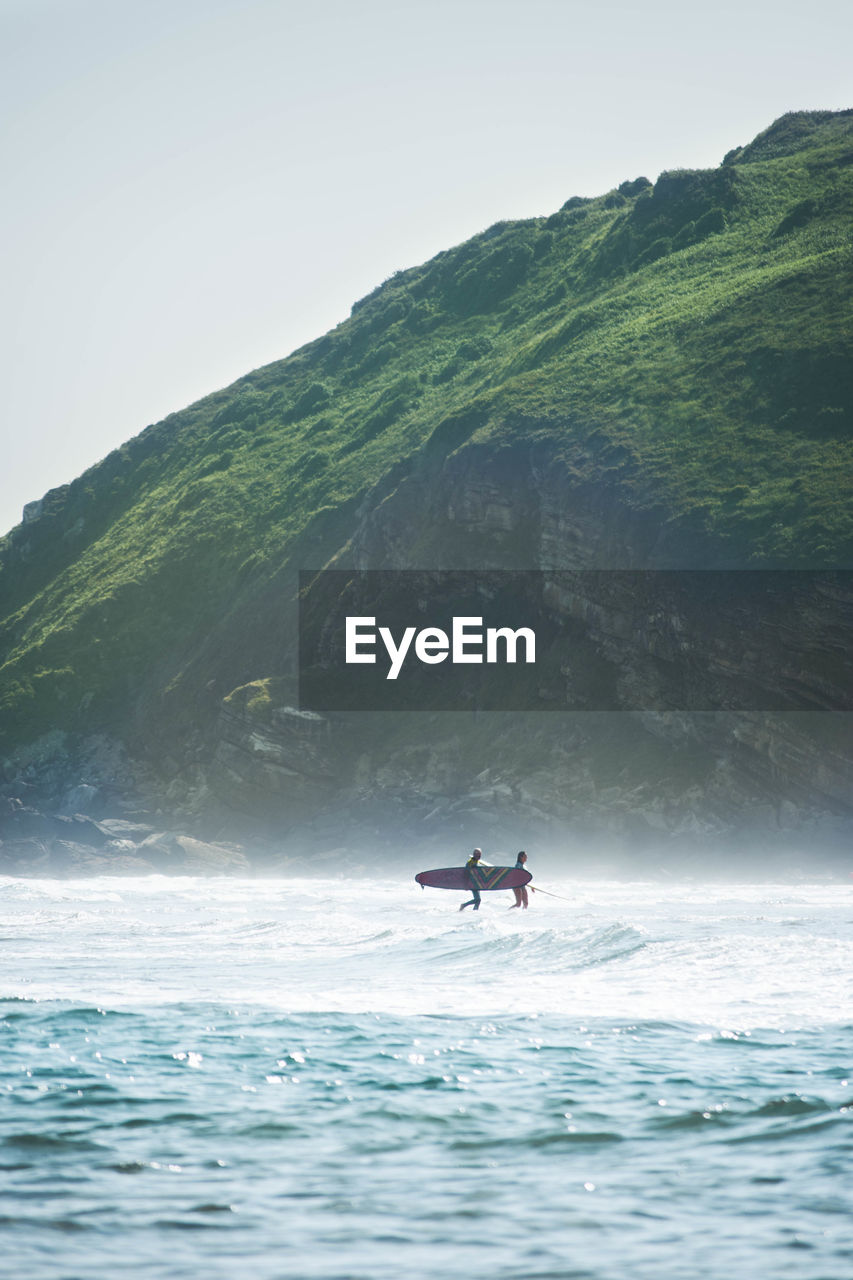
(473, 861)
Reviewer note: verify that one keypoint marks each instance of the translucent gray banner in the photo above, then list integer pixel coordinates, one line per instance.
(591, 640)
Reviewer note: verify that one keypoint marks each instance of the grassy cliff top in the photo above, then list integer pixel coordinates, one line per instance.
(699, 325)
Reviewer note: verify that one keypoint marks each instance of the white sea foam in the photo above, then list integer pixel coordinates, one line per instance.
(740, 956)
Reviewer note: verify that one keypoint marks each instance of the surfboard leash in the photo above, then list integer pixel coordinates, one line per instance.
(549, 894)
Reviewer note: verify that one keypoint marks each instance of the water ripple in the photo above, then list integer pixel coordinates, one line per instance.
(196, 1074)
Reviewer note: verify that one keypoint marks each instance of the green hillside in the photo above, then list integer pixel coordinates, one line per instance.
(694, 333)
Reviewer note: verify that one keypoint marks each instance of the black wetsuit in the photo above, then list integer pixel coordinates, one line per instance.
(475, 900)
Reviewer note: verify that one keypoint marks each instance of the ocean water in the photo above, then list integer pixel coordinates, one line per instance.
(285, 1079)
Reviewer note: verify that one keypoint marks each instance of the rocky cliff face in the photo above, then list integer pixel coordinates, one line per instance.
(533, 502)
(634, 788)
(668, 781)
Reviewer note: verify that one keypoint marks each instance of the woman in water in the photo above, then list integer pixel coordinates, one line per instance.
(521, 893)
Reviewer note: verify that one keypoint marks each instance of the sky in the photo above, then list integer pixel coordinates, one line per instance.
(194, 188)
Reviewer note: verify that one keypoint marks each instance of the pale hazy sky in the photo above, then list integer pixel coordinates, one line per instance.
(193, 188)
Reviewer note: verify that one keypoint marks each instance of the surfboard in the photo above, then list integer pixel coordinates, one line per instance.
(468, 878)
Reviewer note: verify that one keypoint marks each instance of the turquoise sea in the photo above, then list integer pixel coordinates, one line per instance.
(348, 1080)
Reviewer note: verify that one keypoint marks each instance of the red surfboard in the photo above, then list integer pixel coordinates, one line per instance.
(468, 878)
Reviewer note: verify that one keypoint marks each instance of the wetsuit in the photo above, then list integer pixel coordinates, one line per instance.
(475, 900)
